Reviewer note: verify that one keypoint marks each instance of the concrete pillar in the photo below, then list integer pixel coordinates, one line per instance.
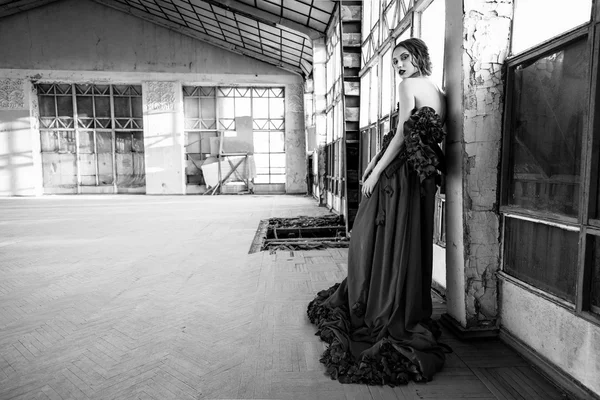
(164, 138)
(320, 101)
(295, 141)
(477, 43)
(20, 171)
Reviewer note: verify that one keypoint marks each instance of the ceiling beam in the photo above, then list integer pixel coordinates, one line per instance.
(201, 36)
(20, 6)
(265, 17)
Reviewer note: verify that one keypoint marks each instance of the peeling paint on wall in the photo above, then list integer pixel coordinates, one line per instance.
(12, 94)
(486, 43)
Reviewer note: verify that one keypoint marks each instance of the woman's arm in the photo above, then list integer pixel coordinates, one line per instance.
(407, 104)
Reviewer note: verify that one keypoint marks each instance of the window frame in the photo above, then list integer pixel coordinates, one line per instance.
(588, 189)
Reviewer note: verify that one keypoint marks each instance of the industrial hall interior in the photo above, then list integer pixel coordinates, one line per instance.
(201, 119)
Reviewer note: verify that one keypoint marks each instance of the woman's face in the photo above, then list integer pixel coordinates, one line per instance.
(402, 61)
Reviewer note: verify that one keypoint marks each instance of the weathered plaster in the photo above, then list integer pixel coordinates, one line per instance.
(12, 94)
(486, 38)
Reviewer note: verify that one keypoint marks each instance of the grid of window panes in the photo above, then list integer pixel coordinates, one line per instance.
(210, 110)
(549, 142)
(200, 124)
(95, 132)
(334, 117)
(386, 23)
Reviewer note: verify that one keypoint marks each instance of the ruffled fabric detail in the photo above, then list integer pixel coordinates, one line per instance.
(423, 132)
(386, 364)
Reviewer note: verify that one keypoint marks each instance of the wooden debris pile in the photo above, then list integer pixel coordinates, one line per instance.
(305, 233)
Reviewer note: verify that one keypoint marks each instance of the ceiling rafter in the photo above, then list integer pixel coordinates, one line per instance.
(199, 35)
(266, 17)
(278, 32)
(17, 6)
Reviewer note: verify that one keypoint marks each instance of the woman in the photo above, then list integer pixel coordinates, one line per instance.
(378, 320)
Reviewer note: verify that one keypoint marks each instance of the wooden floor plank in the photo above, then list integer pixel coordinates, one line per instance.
(179, 309)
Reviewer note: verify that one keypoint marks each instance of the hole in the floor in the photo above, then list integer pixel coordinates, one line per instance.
(300, 233)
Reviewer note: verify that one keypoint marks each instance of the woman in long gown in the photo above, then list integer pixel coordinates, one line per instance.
(377, 321)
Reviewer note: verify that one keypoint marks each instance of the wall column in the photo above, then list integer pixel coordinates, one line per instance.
(477, 43)
(20, 169)
(295, 141)
(164, 137)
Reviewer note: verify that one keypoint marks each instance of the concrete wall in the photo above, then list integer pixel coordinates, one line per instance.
(569, 342)
(81, 41)
(19, 145)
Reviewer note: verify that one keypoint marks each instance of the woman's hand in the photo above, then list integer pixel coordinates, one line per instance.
(369, 184)
(368, 171)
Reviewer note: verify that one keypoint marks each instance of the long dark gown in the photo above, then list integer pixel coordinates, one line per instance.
(377, 321)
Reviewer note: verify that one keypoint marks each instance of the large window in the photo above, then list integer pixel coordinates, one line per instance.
(385, 23)
(550, 163)
(91, 137)
(558, 15)
(210, 111)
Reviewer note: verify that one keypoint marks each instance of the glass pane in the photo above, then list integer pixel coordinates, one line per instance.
(86, 142)
(64, 105)
(104, 142)
(49, 141)
(123, 142)
(47, 106)
(373, 110)
(137, 144)
(226, 107)
(136, 106)
(542, 255)
(102, 106)
(558, 16)
(262, 163)
(208, 108)
(85, 108)
(433, 29)
(260, 107)
(594, 243)
(364, 99)
(122, 107)
(549, 108)
(243, 107)
(277, 178)
(277, 161)
(277, 143)
(276, 108)
(190, 107)
(66, 142)
(261, 179)
(261, 142)
(387, 82)
(192, 142)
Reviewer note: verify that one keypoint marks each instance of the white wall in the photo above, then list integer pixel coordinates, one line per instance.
(569, 342)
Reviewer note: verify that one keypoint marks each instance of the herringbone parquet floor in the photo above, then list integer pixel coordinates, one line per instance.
(142, 297)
